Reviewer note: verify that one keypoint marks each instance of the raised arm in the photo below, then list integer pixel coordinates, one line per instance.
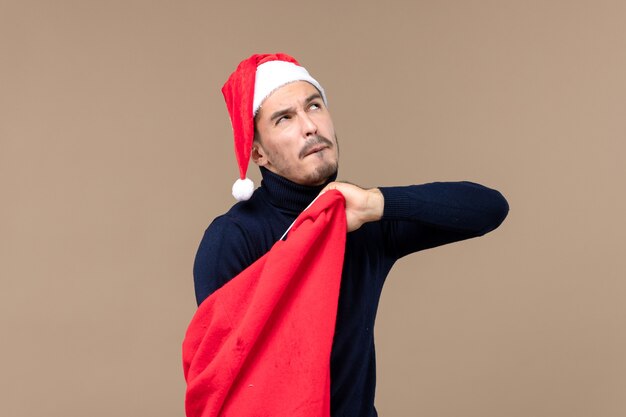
(427, 215)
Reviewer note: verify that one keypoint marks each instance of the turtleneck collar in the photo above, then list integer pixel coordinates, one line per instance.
(288, 195)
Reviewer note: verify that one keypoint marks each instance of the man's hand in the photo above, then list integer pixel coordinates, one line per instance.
(362, 206)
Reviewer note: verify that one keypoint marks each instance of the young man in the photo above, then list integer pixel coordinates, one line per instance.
(281, 121)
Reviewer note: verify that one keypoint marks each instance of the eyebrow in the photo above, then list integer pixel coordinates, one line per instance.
(312, 97)
(279, 113)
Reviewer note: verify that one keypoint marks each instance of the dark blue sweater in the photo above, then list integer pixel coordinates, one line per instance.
(415, 217)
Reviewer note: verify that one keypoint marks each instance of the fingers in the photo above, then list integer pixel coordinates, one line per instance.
(331, 186)
(342, 186)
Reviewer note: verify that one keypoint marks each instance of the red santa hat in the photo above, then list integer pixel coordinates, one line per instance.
(252, 82)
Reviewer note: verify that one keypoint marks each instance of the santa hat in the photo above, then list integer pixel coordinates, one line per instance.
(252, 82)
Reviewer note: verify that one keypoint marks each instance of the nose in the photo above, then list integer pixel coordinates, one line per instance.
(308, 125)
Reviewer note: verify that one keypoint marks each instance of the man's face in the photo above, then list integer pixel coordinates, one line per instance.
(295, 135)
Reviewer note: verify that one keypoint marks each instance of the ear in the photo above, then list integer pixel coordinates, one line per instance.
(258, 154)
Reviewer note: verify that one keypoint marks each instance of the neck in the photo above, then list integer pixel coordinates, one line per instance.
(286, 194)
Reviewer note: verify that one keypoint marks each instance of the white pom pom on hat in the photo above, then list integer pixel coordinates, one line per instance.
(252, 82)
(243, 189)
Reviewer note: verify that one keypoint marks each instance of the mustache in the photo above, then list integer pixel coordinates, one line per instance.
(313, 142)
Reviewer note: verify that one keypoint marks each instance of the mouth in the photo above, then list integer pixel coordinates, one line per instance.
(315, 145)
(315, 149)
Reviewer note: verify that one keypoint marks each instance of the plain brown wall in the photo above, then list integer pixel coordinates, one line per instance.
(116, 152)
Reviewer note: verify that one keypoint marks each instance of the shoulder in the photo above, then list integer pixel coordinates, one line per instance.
(229, 245)
(244, 220)
(237, 225)
(247, 230)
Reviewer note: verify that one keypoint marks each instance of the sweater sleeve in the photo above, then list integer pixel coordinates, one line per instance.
(223, 253)
(424, 216)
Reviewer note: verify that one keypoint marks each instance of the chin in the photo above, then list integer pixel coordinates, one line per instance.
(321, 174)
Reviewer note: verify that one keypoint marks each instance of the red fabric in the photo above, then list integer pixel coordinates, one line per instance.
(238, 93)
(260, 345)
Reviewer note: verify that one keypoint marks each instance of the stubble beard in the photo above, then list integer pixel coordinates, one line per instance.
(319, 175)
(322, 173)
(326, 170)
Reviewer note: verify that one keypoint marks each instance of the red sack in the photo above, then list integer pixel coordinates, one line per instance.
(260, 345)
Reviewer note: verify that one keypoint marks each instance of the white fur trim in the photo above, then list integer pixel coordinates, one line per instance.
(243, 189)
(274, 74)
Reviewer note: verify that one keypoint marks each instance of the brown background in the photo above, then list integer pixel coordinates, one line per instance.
(116, 152)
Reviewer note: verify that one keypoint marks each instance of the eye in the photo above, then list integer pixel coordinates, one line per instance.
(282, 119)
(315, 105)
